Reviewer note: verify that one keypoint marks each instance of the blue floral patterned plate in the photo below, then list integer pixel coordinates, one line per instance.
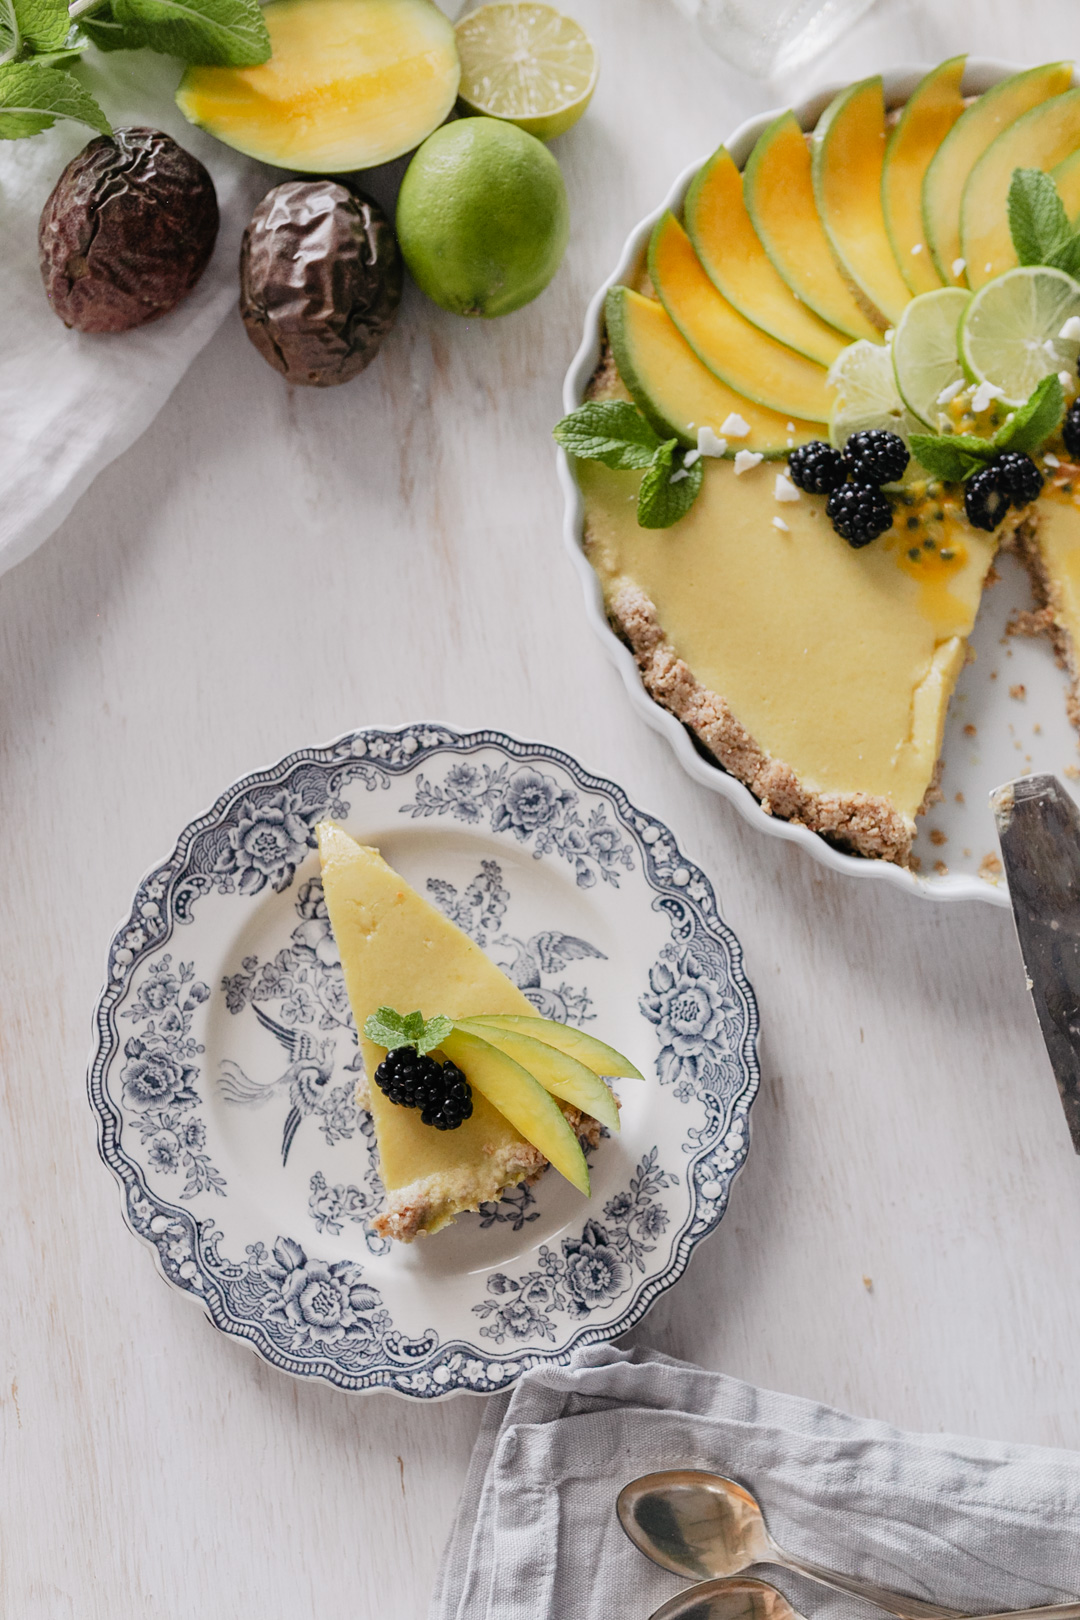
(226, 1062)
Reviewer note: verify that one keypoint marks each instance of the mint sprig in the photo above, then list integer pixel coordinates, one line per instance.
(33, 97)
(955, 456)
(617, 434)
(393, 1029)
(1038, 224)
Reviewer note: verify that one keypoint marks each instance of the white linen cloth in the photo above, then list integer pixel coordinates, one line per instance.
(70, 402)
(967, 1523)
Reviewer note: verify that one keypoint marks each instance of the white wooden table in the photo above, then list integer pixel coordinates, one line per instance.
(268, 568)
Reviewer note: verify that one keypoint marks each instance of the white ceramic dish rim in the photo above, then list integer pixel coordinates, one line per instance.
(980, 74)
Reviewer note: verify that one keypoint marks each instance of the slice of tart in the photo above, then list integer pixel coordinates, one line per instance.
(398, 951)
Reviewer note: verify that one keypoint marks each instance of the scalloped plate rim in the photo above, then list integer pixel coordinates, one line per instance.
(106, 1040)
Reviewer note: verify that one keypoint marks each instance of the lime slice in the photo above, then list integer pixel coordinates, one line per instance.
(526, 63)
(1010, 334)
(867, 395)
(925, 354)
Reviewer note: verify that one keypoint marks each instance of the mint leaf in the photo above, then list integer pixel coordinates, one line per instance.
(44, 24)
(1038, 224)
(661, 502)
(611, 431)
(390, 1029)
(221, 33)
(103, 30)
(951, 456)
(32, 98)
(1034, 422)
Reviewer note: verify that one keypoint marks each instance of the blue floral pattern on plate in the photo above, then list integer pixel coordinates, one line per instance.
(203, 1081)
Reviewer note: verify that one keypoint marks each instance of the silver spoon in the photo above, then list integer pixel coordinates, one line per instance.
(737, 1598)
(702, 1526)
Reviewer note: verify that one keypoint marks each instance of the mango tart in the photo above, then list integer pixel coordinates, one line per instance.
(819, 672)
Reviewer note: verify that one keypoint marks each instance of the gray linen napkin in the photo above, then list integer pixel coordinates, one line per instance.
(967, 1523)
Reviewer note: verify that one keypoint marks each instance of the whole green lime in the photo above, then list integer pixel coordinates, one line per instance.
(482, 217)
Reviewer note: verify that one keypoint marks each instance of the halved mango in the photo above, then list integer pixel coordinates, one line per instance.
(558, 1073)
(964, 145)
(779, 192)
(737, 352)
(350, 84)
(1040, 139)
(522, 1100)
(847, 156)
(594, 1054)
(931, 111)
(730, 249)
(679, 395)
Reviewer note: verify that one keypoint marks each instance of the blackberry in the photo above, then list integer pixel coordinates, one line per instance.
(876, 456)
(412, 1079)
(1070, 431)
(1018, 476)
(986, 500)
(859, 512)
(817, 467)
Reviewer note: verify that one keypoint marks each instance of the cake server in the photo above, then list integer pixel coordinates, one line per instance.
(1038, 825)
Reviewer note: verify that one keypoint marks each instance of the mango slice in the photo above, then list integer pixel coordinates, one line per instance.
(594, 1054)
(563, 1076)
(964, 145)
(739, 353)
(779, 191)
(677, 393)
(848, 155)
(1040, 139)
(931, 111)
(350, 84)
(522, 1100)
(730, 250)
(1066, 177)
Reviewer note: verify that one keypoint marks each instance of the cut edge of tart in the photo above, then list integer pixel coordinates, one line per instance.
(398, 950)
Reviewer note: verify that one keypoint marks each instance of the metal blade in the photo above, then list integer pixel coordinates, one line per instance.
(1039, 828)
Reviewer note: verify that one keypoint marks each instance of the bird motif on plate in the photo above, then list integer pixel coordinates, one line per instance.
(306, 1079)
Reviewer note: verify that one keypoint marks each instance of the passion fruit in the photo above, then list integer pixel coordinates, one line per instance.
(320, 281)
(127, 232)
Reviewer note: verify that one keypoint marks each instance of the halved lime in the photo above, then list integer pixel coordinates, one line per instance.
(867, 395)
(1010, 333)
(926, 358)
(526, 63)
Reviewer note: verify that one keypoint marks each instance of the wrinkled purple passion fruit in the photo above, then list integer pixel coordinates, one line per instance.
(320, 281)
(127, 232)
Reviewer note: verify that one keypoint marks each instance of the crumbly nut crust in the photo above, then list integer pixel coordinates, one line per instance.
(856, 821)
(1046, 620)
(409, 1210)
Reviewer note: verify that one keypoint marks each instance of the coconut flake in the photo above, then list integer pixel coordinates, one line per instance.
(984, 395)
(735, 426)
(1071, 330)
(678, 476)
(959, 266)
(784, 489)
(745, 459)
(708, 444)
(690, 457)
(1050, 459)
(778, 523)
(951, 391)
